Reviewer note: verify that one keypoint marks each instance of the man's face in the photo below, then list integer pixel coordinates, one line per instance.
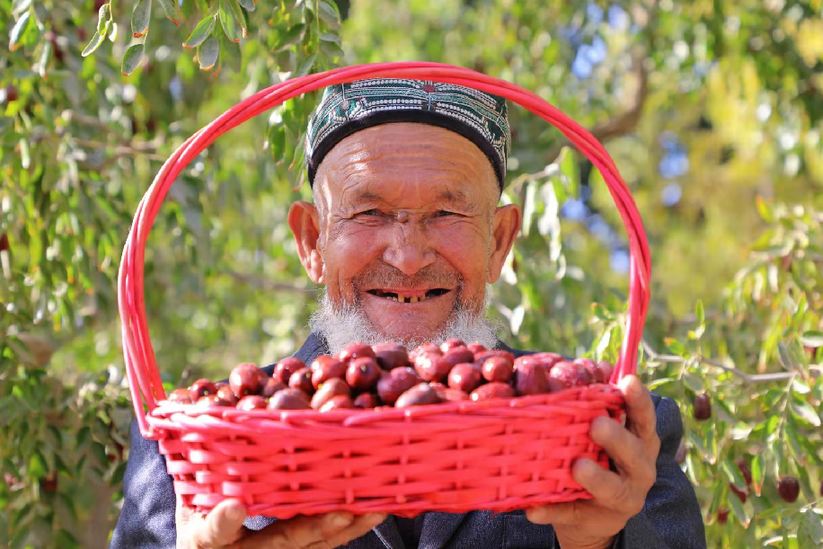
(407, 228)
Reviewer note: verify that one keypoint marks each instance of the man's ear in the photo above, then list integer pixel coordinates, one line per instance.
(505, 227)
(305, 226)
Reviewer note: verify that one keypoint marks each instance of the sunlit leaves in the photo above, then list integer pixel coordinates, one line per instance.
(132, 58)
(170, 10)
(104, 26)
(207, 53)
(140, 16)
(19, 30)
(231, 20)
(201, 31)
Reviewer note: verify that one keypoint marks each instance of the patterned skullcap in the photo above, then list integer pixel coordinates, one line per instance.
(347, 108)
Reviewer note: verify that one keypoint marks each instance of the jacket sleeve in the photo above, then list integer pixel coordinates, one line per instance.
(671, 517)
(147, 517)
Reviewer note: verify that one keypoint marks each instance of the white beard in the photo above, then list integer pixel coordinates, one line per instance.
(340, 327)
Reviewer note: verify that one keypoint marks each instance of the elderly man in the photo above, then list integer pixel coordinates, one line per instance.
(404, 234)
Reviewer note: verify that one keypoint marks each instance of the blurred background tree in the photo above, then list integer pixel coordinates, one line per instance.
(711, 109)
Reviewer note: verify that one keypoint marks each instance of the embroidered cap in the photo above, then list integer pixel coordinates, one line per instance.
(348, 108)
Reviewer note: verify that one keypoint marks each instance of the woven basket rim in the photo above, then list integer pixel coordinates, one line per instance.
(187, 415)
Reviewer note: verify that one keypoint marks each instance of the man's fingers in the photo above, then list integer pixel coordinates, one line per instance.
(223, 525)
(359, 527)
(608, 489)
(316, 531)
(225, 521)
(627, 451)
(642, 419)
(556, 513)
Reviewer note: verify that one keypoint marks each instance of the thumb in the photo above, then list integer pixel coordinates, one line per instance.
(223, 525)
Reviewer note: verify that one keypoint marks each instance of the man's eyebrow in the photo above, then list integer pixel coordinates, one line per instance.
(450, 196)
(366, 196)
(358, 197)
(446, 196)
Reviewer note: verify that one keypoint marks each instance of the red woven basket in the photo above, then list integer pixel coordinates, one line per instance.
(497, 455)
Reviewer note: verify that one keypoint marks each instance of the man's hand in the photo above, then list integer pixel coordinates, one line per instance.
(620, 495)
(223, 527)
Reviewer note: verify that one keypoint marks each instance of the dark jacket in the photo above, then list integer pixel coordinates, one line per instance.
(670, 518)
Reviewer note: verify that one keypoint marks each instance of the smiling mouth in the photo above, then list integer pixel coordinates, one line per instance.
(410, 297)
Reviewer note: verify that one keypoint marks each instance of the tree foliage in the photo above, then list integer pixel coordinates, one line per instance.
(713, 111)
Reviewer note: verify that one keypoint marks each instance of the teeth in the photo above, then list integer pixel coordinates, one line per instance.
(404, 299)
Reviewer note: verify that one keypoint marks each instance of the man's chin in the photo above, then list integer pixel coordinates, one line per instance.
(396, 324)
(410, 336)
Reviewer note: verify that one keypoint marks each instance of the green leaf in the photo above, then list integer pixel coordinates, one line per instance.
(806, 413)
(104, 17)
(170, 10)
(763, 209)
(603, 343)
(568, 167)
(660, 382)
(772, 424)
(693, 382)
(95, 42)
(799, 387)
(812, 338)
(132, 58)
(741, 430)
(675, 346)
(18, 30)
(247, 5)
(331, 50)
(19, 6)
(207, 54)
(231, 19)
(733, 473)
(43, 59)
(758, 473)
(140, 16)
(306, 65)
(739, 510)
(201, 31)
(329, 13)
(810, 529)
(37, 466)
(529, 207)
(330, 37)
(293, 35)
(785, 356)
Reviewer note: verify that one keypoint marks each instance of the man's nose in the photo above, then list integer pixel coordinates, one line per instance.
(409, 249)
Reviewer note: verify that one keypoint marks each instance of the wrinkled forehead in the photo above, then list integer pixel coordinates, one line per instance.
(406, 165)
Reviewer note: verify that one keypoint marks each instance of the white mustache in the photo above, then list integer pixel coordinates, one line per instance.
(386, 276)
(342, 325)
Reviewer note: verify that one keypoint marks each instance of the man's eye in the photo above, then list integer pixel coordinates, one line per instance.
(445, 213)
(372, 212)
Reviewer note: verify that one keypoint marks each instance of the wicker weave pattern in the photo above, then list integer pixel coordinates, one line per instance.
(453, 457)
(497, 455)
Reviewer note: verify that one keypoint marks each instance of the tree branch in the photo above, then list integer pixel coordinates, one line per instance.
(268, 285)
(624, 122)
(748, 378)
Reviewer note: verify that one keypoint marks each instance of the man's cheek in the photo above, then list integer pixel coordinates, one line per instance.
(340, 270)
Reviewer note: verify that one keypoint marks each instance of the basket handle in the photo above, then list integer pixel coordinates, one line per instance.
(141, 365)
